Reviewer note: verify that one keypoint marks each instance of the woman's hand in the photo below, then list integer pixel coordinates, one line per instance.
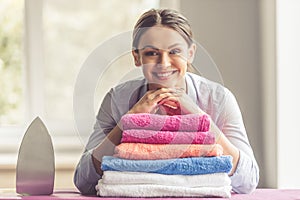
(179, 103)
(150, 102)
(170, 101)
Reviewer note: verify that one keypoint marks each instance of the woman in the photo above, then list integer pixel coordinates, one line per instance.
(163, 47)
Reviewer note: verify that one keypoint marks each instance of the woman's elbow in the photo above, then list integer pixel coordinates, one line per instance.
(83, 187)
(247, 186)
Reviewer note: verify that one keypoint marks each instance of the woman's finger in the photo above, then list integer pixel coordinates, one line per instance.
(161, 94)
(171, 104)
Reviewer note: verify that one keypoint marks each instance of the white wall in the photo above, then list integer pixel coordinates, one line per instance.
(288, 81)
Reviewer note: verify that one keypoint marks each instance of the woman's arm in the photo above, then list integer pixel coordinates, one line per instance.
(228, 147)
(87, 171)
(231, 134)
(147, 104)
(246, 175)
(107, 134)
(106, 148)
(86, 176)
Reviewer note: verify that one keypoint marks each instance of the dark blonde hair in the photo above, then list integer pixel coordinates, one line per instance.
(165, 17)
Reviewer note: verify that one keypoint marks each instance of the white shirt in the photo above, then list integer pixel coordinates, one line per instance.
(213, 98)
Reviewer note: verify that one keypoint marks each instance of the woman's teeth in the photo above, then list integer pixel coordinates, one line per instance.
(164, 74)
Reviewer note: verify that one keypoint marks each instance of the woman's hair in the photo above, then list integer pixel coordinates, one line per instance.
(165, 17)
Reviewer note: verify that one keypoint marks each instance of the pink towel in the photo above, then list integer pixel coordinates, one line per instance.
(189, 122)
(167, 137)
(139, 151)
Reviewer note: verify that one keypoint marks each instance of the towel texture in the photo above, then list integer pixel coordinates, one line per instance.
(136, 178)
(148, 190)
(184, 166)
(140, 151)
(190, 122)
(167, 137)
(166, 156)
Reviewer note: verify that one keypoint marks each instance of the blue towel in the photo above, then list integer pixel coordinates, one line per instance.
(183, 166)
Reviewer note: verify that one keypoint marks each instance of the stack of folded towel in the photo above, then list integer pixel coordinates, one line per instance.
(166, 156)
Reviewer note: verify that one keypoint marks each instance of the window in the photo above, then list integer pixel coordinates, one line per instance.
(11, 62)
(58, 36)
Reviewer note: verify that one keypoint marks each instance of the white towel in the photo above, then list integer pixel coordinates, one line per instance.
(148, 190)
(124, 178)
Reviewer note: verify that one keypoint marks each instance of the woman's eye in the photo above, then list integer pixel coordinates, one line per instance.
(175, 51)
(151, 53)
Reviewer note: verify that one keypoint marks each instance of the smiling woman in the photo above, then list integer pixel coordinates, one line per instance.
(157, 57)
(163, 47)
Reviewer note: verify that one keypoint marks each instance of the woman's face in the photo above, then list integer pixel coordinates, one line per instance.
(163, 54)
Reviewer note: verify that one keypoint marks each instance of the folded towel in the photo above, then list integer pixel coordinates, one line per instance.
(189, 122)
(167, 137)
(147, 190)
(136, 178)
(140, 151)
(184, 166)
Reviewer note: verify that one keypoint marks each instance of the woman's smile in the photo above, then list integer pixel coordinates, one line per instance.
(164, 75)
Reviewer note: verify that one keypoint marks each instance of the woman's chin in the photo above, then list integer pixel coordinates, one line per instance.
(160, 85)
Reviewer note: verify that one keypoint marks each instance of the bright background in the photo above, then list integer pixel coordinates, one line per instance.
(254, 43)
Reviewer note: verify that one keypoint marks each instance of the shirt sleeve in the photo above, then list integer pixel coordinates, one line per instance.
(246, 177)
(85, 176)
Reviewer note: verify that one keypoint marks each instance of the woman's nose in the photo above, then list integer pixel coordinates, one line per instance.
(165, 60)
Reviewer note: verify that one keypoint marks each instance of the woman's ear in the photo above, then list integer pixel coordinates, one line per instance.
(191, 53)
(136, 57)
